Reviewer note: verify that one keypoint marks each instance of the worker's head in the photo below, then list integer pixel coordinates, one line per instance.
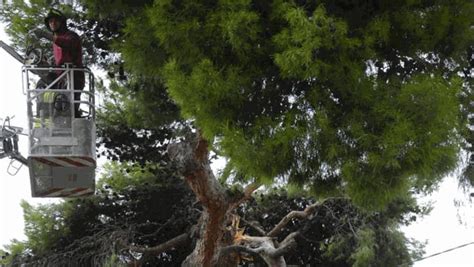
(55, 20)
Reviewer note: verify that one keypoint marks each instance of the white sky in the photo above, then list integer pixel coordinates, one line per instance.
(441, 228)
(13, 188)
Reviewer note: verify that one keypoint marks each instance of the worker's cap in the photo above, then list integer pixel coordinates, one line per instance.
(54, 13)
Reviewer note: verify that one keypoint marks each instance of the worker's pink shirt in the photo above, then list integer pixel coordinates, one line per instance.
(67, 48)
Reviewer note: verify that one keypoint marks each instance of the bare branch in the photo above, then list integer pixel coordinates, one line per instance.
(248, 191)
(286, 245)
(265, 247)
(159, 229)
(351, 227)
(255, 225)
(247, 194)
(308, 211)
(293, 215)
(238, 249)
(172, 243)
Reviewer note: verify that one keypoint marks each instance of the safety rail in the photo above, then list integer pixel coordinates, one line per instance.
(53, 103)
(65, 73)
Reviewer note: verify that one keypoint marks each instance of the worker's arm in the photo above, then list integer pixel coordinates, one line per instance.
(68, 40)
(42, 34)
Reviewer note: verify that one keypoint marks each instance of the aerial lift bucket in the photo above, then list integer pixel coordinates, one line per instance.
(61, 156)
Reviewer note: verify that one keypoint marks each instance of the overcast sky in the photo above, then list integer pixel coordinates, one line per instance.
(442, 228)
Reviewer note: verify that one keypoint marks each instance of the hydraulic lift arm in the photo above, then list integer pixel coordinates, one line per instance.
(9, 145)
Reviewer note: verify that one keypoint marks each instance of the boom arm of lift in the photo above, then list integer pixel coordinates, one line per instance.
(9, 146)
(9, 134)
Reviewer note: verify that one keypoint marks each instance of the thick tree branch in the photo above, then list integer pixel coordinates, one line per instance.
(247, 194)
(293, 215)
(265, 247)
(237, 249)
(307, 212)
(286, 245)
(248, 191)
(256, 226)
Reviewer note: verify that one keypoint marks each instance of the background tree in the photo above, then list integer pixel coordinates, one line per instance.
(346, 99)
(122, 224)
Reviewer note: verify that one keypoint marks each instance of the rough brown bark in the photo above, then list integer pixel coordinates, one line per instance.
(192, 157)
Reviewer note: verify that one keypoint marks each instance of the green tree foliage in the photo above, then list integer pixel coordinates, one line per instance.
(327, 95)
(139, 206)
(363, 103)
(43, 225)
(125, 127)
(362, 99)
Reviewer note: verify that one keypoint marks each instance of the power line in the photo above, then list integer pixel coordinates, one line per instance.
(445, 251)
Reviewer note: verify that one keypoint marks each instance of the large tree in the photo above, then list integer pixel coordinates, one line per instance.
(341, 98)
(364, 100)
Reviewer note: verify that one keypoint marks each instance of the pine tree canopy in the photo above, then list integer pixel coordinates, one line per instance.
(336, 97)
(357, 98)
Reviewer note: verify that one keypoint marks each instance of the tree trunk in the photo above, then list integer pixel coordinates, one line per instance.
(191, 157)
(217, 240)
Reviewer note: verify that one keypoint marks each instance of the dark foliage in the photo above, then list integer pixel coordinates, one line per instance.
(109, 222)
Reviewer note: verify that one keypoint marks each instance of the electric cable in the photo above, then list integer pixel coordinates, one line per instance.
(445, 251)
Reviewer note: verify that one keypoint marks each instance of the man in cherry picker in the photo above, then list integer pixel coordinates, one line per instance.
(67, 48)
